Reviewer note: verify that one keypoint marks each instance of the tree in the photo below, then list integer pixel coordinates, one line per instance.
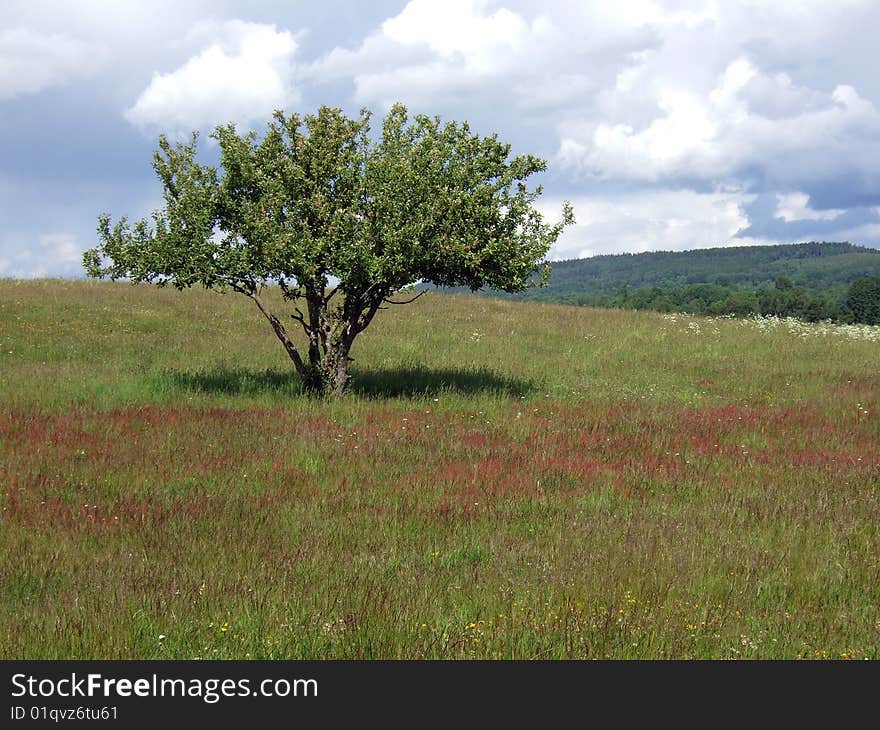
(337, 220)
(862, 303)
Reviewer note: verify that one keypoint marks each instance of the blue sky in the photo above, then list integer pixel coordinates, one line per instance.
(668, 124)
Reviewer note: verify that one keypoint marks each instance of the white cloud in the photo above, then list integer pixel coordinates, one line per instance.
(53, 254)
(796, 207)
(242, 75)
(664, 220)
(458, 28)
(31, 61)
(656, 91)
(719, 134)
(440, 53)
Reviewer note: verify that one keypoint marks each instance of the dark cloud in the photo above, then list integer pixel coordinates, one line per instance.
(856, 190)
(766, 223)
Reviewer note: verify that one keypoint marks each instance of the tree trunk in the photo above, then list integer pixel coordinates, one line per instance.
(326, 370)
(341, 378)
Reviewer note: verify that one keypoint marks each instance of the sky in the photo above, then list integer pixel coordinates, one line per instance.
(668, 124)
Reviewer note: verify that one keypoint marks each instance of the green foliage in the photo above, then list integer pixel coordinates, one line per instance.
(320, 207)
(862, 303)
(809, 281)
(715, 299)
(815, 266)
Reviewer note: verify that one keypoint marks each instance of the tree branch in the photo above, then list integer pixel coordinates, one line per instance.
(281, 333)
(408, 301)
(364, 321)
(287, 291)
(301, 318)
(241, 289)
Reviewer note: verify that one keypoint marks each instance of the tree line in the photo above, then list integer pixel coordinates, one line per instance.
(816, 266)
(812, 281)
(858, 302)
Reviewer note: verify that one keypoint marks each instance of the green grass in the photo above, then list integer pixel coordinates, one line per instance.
(505, 480)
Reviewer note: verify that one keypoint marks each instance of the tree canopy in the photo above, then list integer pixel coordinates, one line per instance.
(338, 220)
(862, 303)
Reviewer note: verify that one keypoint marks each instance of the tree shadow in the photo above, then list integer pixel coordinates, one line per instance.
(408, 382)
(234, 381)
(389, 382)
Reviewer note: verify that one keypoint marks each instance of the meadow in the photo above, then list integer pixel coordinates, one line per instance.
(506, 480)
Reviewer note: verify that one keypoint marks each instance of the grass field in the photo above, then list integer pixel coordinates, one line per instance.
(507, 480)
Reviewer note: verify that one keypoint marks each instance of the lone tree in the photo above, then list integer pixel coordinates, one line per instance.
(337, 220)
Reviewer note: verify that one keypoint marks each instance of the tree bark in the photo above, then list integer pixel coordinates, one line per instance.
(292, 352)
(326, 370)
(341, 378)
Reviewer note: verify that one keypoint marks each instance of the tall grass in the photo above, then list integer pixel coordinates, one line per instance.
(505, 480)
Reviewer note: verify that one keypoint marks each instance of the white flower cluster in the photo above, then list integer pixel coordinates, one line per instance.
(869, 333)
(696, 323)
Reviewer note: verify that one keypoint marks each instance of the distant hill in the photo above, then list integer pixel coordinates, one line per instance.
(814, 266)
(810, 281)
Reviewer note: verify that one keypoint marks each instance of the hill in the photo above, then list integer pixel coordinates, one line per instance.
(806, 280)
(506, 480)
(814, 266)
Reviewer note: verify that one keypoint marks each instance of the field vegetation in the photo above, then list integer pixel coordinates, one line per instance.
(504, 480)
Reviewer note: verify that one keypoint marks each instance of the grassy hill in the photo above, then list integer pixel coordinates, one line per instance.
(506, 480)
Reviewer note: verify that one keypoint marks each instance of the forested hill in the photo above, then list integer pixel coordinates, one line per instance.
(814, 266)
(811, 281)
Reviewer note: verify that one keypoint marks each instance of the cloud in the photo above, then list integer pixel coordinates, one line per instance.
(790, 217)
(243, 74)
(53, 254)
(650, 220)
(459, 28)
(748, 123)
(796, 207)
(670, 124)
(31, 61)
(473, 51)
(649, 92)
